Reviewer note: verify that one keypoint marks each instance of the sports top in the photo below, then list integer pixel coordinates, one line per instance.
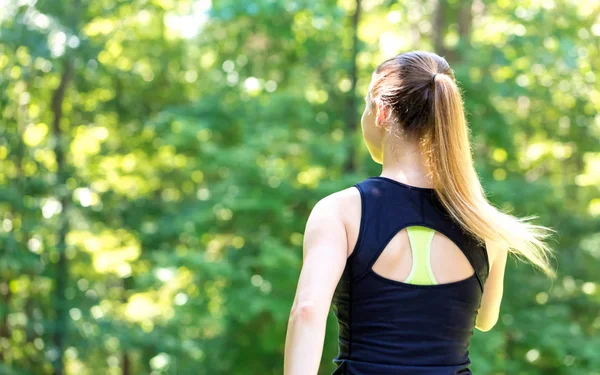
(389, 327)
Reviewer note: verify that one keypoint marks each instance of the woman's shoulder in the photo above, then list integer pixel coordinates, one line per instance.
(343, 199)
(344, 205)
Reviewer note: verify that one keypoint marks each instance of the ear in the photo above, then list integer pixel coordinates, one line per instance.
(382, 114)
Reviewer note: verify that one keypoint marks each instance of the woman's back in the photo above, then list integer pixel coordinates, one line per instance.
(408, 297)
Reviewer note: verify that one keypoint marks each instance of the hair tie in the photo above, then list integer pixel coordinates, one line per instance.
(433, 77)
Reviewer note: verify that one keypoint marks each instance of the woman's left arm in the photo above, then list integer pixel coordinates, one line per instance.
(324, 258)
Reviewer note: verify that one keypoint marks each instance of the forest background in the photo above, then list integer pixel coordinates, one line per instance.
(159, 159)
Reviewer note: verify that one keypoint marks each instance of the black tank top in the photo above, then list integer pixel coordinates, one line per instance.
(388, 327)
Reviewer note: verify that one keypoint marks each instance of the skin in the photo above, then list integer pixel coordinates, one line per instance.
(330, 236)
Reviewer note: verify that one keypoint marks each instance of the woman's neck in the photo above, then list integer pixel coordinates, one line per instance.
(403, 161)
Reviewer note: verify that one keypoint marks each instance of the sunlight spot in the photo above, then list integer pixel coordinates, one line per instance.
(274, 182)
(519, 30)
(551, 43)
(75, 314)
(180, 299)
(188, 25)
(83, 284)
(337, 135)
(97, 312)
(35, 245)
(51, 207)
(224, 214)
(84, 195)
(233, 78)
(569, 360)
(100, 26)
(208, 59)
(73, 42)
(589, 287)
(228, 66)
(256, 280)
(42, 21)
(548, 4)
(345, 85)
(390, 43)
(532, 355)
(204, 135)
(541, 298)
(322, 117)
(523, 80)
(238, 242)
(500, 155)
(316, 95)
(583, 34)
(203, 194)
(7, 225)
(191, 76)
(271, 86)
(394, 17)
(35, 134)
(124, 270)
(57, 42)
(140, 308)
(164, 274)
(266, 287)
(319, 22)
(569, 284)
(252, 85)
(562, 151)
(296, 238)
(160, 361)
(594, 207)
(535, 151)
(499, 174)
(38, 343)
(311, 176)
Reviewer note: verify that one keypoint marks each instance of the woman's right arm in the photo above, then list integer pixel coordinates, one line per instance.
(324, 258)
(489, 311)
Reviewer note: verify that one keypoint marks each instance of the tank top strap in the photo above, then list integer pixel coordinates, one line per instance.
(388, 206)
(385, 211)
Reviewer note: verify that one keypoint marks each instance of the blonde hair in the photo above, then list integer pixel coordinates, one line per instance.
(425, 101)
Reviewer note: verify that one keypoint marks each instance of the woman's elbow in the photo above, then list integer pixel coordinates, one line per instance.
(485, 325)
(484, 328)
(303, 312)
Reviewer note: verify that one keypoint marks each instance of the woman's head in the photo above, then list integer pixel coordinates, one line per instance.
(401, 98)
(415, 94)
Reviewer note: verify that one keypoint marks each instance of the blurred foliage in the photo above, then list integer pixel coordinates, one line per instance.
(159, 159)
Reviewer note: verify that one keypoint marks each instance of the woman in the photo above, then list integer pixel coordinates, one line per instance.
(413, 259)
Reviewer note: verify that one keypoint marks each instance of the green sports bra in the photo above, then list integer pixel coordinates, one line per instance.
(420, 242)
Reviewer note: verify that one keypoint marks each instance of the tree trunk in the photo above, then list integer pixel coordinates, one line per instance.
(61, 320)
(465, 20)
(439, 27)
(350, 164)
(4, 330)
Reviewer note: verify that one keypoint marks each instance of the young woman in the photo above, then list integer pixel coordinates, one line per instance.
(412, 259)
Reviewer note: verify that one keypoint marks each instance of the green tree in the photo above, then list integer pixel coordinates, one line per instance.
(159, 159)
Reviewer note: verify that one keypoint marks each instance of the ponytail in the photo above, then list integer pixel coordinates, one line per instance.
(421, 90)
(459, 189)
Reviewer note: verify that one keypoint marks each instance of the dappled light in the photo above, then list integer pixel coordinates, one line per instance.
(159, 159)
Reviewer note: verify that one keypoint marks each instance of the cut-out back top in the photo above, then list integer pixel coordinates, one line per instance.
(389, 327)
